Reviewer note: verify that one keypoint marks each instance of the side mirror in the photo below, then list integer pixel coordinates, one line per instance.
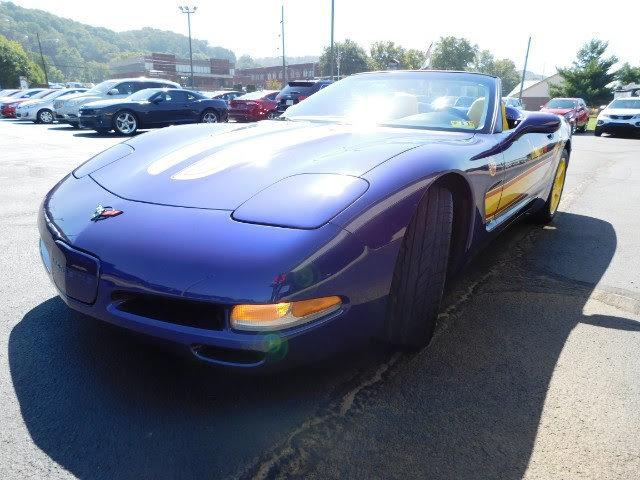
(532, 122)
(113, 91)
(537, 122)
(157, 100)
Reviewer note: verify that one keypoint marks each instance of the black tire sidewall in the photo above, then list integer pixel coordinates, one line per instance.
(420, 272)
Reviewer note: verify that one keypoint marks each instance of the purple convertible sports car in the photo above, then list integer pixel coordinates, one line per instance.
(283, 241)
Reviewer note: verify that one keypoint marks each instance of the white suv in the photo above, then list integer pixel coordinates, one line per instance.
(66, 110)
(620, 116)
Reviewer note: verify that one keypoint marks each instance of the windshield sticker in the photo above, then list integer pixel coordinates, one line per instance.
(463, 124)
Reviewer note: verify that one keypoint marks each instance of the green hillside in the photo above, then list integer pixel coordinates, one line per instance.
(76, 51)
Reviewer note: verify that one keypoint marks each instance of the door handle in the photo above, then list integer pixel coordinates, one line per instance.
(550, 136)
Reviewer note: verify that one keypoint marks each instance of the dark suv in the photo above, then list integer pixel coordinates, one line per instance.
(297, 91)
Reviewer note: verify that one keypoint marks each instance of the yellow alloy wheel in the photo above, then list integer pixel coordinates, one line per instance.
(558, 184)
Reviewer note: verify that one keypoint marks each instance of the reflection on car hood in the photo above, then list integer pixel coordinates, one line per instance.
(106, 103)
(221, 166)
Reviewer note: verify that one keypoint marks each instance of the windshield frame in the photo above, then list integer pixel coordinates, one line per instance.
(493, 89)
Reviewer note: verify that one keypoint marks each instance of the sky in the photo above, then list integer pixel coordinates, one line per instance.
(558, 27)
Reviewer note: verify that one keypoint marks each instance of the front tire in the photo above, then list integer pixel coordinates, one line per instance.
(548, 211)
(597, 132)
(420, 272)
(45, 116)
(125, 123)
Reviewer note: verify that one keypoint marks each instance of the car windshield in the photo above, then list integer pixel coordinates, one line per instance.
(561, 103)
(254, 95)
(403, 99)
(302, 88)
(625, 103)
(103, 87)
(144, 94)
(43, 93)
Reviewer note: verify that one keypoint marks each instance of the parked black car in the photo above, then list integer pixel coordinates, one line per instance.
(296, 91)
(152, 107)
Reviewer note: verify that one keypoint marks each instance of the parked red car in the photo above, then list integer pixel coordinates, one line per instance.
(8, 107)
(573, 109)
(254, 106)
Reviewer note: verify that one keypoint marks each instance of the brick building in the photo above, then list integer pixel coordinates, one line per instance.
(259, 76)
(211, 74)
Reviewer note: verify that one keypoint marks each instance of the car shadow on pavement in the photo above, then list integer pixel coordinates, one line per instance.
(106, 404)
(94, 134)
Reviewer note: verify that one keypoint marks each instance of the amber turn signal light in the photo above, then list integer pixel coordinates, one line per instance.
(276, 316)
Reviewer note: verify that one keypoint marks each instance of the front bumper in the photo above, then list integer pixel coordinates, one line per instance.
(610, 125)
(66, 117)
(96, 122)
(153, 250)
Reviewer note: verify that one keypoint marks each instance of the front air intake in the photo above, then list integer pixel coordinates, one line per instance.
(176, 310)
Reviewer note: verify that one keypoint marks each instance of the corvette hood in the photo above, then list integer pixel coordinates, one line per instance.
(222, 166)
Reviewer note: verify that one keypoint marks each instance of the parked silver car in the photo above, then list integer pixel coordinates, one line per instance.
(40, 110)
(66, 109)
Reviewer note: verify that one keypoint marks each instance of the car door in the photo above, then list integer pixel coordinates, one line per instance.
(182, 102)
(511, 190)
(163, 109)
(528, 165)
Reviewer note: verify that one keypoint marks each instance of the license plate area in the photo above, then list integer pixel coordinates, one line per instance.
(74, 273)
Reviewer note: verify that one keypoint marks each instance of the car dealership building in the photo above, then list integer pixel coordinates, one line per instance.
(210, 74)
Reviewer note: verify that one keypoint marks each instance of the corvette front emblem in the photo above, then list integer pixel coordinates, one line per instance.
(102, 213)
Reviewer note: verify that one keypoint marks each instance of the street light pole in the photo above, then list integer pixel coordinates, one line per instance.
(332, 21)
(189, 10)
(284, 64)
(44, 65)
(524, 70)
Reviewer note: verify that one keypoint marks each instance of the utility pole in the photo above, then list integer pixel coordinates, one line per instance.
(44, 65)
(524, 69)
(284, 65)
(189, 10)
(332, 22)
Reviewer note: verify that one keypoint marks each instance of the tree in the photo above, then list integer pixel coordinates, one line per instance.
(14, 63)
(504, 68)
(246, 61)
(384, 54)
(413, 59)
(589, 76)
(628, 74)
(451, 53)
(353, 59)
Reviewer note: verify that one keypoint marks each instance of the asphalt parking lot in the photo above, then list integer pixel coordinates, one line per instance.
(533, 371)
